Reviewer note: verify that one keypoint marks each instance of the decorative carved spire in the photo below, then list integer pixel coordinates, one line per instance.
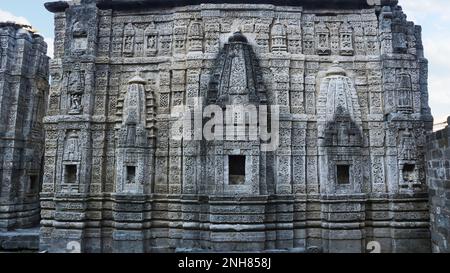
(237, 80)
(404, 92)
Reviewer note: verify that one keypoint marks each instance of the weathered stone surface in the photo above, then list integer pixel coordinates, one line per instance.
(438, 178)
(23, 97)
(351, 88)
(20, 240)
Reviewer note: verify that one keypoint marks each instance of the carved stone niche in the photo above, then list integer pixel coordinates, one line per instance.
(179, 40)
(195, 36)
(408, 165)
(129, 40)
(151, 40)
(75, 81)
(346, 39)
(80, 37)
(322, 39)
(131, 153)
(71, 163)
(400, 40)
(278, 37)
(404, 93)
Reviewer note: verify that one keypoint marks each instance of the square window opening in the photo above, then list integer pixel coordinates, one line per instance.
(409, 173)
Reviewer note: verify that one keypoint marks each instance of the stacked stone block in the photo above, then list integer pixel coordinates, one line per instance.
(438, 179)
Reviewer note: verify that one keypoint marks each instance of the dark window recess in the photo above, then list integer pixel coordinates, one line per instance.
(34, 184)
(409, 173)
(237, 166)
(71, 174)
(343, 174)
(131, 174)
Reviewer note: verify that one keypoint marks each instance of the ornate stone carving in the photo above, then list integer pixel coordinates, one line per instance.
(72, 147)
(133, 147)
(278, 37)
(407, 146)
(195, 36)
(236, 67)
(151, 40)
(404, 92)
(346, 39)
(322, 39)
(332, 146)
(128, 40)
(75, 85)
(179, 39)
(75, 103)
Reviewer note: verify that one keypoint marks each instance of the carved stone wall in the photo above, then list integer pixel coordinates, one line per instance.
(351, 86)
(23, 98)
(438, 179)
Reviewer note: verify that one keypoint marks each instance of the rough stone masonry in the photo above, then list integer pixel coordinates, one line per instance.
(349, 78)
(438, 177)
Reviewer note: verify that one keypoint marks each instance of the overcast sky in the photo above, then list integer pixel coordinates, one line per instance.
(432, 15)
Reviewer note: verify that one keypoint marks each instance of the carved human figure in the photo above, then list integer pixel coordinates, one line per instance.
(75, 103)
(323, 41)
(128, 43)
(75, 82)
(151, 42)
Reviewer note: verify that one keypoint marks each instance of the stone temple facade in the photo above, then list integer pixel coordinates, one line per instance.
(23, 97)
(349, 80)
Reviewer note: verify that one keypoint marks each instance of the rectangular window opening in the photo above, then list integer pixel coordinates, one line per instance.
(71, 174)
(409, 173)
(343, 174)
(34, 184)
(131, 174)
(236, 169)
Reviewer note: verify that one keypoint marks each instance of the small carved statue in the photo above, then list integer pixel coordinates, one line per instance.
(75, 103)
(151, 42)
